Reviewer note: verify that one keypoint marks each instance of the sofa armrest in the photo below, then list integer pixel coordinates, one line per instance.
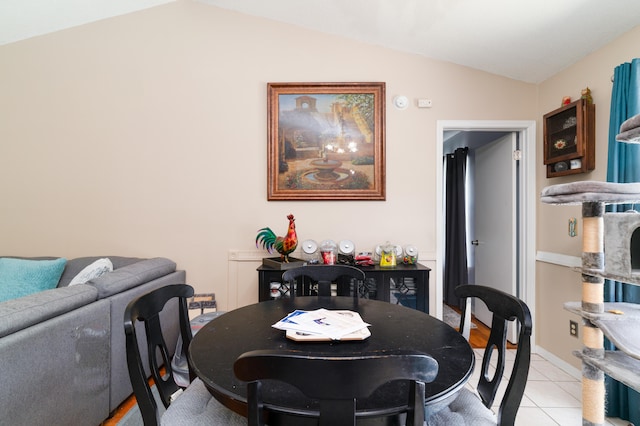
(57, 371)
(17, 314)
(131, 276)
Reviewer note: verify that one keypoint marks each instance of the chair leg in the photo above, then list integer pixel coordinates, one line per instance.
(415, 415)
(254, 400)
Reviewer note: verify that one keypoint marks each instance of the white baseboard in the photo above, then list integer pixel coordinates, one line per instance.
(561, 364)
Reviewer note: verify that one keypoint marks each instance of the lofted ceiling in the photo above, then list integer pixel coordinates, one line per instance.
(520, 39)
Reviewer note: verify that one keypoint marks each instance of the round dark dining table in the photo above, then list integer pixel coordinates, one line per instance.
(216, 346)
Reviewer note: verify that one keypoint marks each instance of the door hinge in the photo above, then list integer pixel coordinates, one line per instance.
(517, 155)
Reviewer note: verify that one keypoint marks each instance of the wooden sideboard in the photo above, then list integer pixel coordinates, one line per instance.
(404, 284)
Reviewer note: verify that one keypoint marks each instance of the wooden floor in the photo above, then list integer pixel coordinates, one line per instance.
(120, 412)
(479, 336)
(478, 339)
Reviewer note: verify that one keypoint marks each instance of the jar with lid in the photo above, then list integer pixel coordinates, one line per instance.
(388, 256)
(310, 252)
(410, 255)
(329, 252)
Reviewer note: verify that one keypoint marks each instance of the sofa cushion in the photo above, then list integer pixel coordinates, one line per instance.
(21, 277)
(75, 266)
(26, 311)
(131, 276)
(94, 270)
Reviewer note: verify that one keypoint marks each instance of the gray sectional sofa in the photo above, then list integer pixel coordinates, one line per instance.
(63, 350)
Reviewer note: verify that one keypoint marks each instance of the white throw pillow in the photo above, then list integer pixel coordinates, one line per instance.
(96, 269)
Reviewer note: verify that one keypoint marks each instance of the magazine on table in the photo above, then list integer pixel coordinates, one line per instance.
(324, 324)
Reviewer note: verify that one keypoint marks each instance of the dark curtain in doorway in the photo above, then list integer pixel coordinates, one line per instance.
(455, 259)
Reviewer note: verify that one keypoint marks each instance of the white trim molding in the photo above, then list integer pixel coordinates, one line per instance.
(246, 255)
(559, 259)
(527, 131)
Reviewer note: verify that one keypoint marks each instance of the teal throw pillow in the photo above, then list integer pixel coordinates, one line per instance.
(20, 277)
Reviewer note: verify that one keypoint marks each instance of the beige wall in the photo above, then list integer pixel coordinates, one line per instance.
(557, 284)
(145, 135)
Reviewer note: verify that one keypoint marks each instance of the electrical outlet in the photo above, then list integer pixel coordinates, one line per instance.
(573, 328)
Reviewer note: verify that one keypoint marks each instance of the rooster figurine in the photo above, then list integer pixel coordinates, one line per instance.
(283, 245)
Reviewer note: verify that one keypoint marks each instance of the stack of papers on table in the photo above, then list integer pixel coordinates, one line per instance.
(323, 324)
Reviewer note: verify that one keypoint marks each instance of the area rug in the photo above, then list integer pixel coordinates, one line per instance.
(132, 418)
(451, 317)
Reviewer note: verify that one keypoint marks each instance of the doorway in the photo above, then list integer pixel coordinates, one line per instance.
(492, 145)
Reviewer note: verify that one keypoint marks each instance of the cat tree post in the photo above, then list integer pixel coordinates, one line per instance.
(593, 389)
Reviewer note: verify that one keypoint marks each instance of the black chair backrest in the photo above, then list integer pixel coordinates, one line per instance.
(147, 308)
(504, 307)
(337, 382)
(324, 276)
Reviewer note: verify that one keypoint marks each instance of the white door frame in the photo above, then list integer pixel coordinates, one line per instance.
(527, 132)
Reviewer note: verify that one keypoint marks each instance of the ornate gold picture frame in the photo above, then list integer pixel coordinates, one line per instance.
(326, 141)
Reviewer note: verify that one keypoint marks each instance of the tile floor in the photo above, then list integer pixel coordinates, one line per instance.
(552, 397)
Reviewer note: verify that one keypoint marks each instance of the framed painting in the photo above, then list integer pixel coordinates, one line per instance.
(326, 141)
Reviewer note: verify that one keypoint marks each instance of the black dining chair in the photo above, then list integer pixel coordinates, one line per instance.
(336, 382)
(468, 408)
(322, 276)
(192, 405)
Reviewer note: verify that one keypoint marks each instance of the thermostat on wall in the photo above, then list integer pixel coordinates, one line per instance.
(401, 102)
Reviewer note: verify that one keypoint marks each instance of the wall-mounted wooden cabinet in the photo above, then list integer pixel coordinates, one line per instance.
(569, 139)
